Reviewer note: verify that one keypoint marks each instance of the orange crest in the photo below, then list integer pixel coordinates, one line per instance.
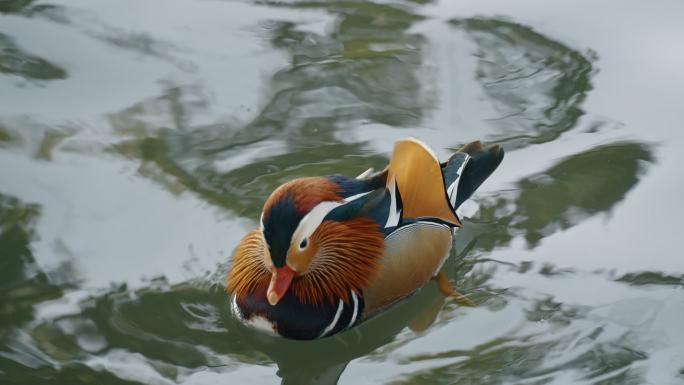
(306, 192)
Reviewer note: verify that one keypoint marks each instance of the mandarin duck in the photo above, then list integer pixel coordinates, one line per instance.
(333, 251)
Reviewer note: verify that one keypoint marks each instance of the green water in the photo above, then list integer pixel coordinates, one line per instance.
(138, 140)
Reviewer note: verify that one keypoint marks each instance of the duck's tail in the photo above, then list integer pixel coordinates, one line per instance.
(465, 171)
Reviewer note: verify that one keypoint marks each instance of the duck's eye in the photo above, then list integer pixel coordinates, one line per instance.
(304, 243)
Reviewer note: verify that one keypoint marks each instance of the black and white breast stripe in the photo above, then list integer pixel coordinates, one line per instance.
(293, 319)
(346, 315)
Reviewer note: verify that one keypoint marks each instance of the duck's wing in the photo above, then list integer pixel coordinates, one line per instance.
(418, 187)
(410, 189)
(415, 178)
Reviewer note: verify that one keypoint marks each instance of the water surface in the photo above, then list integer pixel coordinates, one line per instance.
(138, 141)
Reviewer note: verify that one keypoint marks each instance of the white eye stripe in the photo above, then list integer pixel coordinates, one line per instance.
(315, 217)
(310, 222)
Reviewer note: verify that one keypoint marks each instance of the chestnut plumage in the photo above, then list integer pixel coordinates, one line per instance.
(333, 251)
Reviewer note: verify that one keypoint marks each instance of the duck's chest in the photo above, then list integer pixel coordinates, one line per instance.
(291, 318)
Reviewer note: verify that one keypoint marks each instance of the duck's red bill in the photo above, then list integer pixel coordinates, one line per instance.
(280, 282)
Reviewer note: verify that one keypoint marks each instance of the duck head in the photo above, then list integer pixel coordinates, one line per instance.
(307, 247)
